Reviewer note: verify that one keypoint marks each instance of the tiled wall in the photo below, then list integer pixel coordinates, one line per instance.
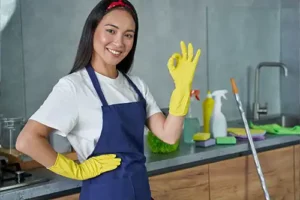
(235, 35)
(12, 87)
(238, 39)
(290, 54)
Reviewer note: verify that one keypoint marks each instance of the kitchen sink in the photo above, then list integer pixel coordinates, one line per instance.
(283, 120)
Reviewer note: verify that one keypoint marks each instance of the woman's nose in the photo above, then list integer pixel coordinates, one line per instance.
(119, 42)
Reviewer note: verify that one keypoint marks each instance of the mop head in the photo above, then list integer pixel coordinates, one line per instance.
(158, 146)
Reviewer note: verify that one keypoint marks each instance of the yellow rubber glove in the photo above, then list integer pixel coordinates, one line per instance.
(183, 74)
(90, 168)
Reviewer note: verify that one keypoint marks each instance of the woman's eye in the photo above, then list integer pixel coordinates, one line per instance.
(110, 31)
(129, 36)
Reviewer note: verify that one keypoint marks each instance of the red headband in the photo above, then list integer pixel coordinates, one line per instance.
(117, 3)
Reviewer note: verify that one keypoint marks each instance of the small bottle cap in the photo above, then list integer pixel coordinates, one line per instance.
(209, 94)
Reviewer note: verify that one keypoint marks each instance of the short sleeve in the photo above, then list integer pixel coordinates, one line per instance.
(59, 111)
(152, 107)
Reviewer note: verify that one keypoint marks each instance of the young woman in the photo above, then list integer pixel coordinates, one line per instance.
(102, 110)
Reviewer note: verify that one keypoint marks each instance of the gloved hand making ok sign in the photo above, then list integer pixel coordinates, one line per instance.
(183, 74)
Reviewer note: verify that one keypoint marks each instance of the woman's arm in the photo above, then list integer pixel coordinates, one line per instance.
(169, 129)
(60, 112)
(33, 141)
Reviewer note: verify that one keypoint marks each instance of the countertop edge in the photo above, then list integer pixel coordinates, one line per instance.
(229, 152)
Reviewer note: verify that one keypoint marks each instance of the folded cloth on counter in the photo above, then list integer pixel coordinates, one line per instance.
(277, 129)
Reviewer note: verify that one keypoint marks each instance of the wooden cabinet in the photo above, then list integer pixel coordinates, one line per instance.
(70, 197)
(185, 184)
(278, 169)
(227, 179)
(297, 171)
(232, 179)
(238, 179)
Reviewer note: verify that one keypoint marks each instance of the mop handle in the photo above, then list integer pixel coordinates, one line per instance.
(258, 167)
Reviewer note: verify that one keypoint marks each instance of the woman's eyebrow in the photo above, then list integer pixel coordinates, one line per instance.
(130, 30)
(111, 25)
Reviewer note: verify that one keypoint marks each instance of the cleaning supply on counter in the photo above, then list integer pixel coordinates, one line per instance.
(201, 136)
(190, 127)
(158, 146)
(191, 122)
(207, 107)
(277, 129)
(206, 143)
(256, 160)
(203, 140)
(240, 133)
(226, 140)
(218, 123)
(255, 138)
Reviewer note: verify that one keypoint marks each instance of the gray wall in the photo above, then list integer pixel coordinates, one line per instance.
(12, 87)
(290, 54)
(234, 36)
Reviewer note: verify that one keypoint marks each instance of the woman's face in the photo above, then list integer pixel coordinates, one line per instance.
(114, 37)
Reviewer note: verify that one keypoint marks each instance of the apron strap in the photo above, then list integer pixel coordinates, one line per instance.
(134, 87)
(96, 84)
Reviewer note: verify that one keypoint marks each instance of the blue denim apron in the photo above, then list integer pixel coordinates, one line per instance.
(123, 135)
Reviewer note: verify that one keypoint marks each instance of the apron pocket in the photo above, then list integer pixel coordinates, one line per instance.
(117, 189)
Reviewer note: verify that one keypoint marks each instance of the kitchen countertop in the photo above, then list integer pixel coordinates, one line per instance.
(186, 156)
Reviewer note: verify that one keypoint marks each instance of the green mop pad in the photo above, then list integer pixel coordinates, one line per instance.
(158, 146)
(277, 129)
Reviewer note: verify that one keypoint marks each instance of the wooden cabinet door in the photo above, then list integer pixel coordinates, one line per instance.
(70, 197)
(238, 179)
(184, 184)
(278, 169)
(228, 179)
(297, 171)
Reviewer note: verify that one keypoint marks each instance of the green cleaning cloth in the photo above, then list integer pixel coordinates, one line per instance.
(277, 129)
(158, 146)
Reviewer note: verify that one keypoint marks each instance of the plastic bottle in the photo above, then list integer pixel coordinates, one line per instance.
(191, 122)
(207, 107)
(218, 123)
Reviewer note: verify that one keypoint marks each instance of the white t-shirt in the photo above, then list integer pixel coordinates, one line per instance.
(73, 108)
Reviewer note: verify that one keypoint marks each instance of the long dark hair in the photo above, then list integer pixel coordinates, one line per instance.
(85, 47)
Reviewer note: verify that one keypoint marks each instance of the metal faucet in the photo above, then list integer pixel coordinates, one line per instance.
(257, 109)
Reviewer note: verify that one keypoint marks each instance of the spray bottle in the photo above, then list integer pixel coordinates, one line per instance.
(218, 123)
(191, 122)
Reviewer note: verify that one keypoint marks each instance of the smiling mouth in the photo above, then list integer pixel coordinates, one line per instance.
(114, 52)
